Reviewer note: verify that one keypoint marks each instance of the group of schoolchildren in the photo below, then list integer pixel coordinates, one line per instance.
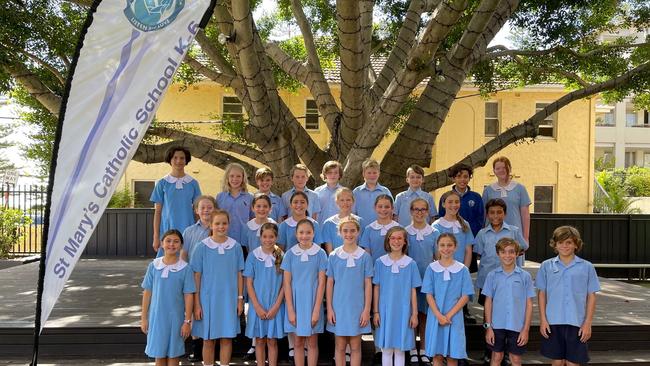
(352, 262)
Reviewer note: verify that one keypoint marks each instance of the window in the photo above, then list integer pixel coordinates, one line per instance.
(142, 190)
(631, 119)
(629, 159)
(606, 119)
(491, 118)
(646, 160)
(543, 199)
(547, 127)
(232, 109)
(311, 115)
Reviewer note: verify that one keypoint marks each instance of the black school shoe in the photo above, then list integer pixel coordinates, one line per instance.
(197, 351)
(250, 355)
(376, 360)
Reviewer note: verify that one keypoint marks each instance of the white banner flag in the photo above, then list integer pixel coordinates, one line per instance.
(126, 64)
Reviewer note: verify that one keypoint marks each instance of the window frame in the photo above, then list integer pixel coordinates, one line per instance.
(553, 118)
(552, 202)
(309, 112)
(223, 109)
(136, 202)
(486, 118)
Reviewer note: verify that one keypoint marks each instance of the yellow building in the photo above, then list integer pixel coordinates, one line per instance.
(557, 169)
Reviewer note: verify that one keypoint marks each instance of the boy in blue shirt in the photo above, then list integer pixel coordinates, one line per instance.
(299, 176)
(366, 194)
(264, 180)
(415, 179)
(567, 287)
(331, 174)
(508, 293)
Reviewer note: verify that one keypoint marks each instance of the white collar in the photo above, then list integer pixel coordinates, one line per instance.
(304, 254)
(384, 228)
(178, 181)
(166, 268)
(252, 225)
(337, 220)
(454, 268)
(349, 257)
(453, 225)
(395, 265)
(268, 259)
(292, 222)
(504, 190)
(221, 247)
(419, 233)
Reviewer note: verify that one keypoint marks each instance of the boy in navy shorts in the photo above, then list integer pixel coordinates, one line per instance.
(567, 300)
(509, 293)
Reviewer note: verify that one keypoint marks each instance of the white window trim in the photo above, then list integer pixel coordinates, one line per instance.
(223, 104)
(498, 118)
(316, 109)
(555, 122)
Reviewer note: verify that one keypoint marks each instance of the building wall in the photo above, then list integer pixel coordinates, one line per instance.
(564, 162)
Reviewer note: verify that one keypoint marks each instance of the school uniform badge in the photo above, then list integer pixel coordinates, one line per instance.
(152, 15)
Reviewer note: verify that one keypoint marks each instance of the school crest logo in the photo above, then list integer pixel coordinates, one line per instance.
(152, 15)
(471, 203)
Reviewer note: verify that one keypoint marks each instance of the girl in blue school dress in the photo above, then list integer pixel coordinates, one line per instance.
(452, 223)
(304, 266)
(448, 286)
(236, 200)
(345, 202)
(173, 197)
(395, 310)
(167, 302)
(372, 238)
(265, 323)
(349, 293)
(422, 248)
(262, 208)
(218, 263)
(298, 204)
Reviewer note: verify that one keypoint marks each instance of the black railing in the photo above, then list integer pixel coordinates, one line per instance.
(30, 199)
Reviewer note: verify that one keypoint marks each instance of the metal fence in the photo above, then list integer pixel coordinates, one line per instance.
(30, 199)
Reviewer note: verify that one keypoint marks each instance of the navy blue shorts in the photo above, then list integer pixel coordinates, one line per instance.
(506, 341)
(564, 344)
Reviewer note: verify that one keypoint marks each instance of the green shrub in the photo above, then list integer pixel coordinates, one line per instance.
(637, 181)
(122, 198)
(12, 223)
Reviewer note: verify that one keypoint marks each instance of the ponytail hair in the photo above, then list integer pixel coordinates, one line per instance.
(463, 223)
(277, 251)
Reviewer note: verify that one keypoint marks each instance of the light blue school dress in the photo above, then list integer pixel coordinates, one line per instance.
(447, 285)
(403, 204)
(192, 237)
(464, 238)
(330, 230)
(219, 265)
(176, 195)
(396, 279)
(372, 238)
(312, 198)
(251, 236)
(422, 248)
(349, 271)
(364, 201)
(287, 232)
(239, 209)
(485, 246)
(168, 285)
(304, 266)
(267, 283)
(515, 197)
(327, 200)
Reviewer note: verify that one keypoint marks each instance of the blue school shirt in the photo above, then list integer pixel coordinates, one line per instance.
(192, 237)
(327, 202)
(278, 210)
(515, 197)
(260, 267)
(372, 238)
(304, 266)
(403, 204)
(422, 248)
(566, 289)
(219, 265)
(349, 271)
(446, 340)
(485, 246)
(396, 280)
(472, 209)
(168, 285)
(509, 292)
(251, 235)
(177, 210)
(364, 201)
(464, 238)
(330, 230)
(312, 197)
(239, 209)
(287, 233)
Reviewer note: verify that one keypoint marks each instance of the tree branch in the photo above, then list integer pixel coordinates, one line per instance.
(530, 127)
(218, 77)
(34, 86)
(482, 16)
(46, 65)
(549, 69)
(503, 51)
(214, 54)
(307, 35)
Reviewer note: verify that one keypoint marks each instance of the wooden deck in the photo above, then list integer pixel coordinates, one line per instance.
(100, 306)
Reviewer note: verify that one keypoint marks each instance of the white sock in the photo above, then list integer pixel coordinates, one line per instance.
(291, 346)
(347, 348)
(399, 358)
(424, 354)
(386, 356)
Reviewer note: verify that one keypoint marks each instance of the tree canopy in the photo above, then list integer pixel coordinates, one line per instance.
(436, 43)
